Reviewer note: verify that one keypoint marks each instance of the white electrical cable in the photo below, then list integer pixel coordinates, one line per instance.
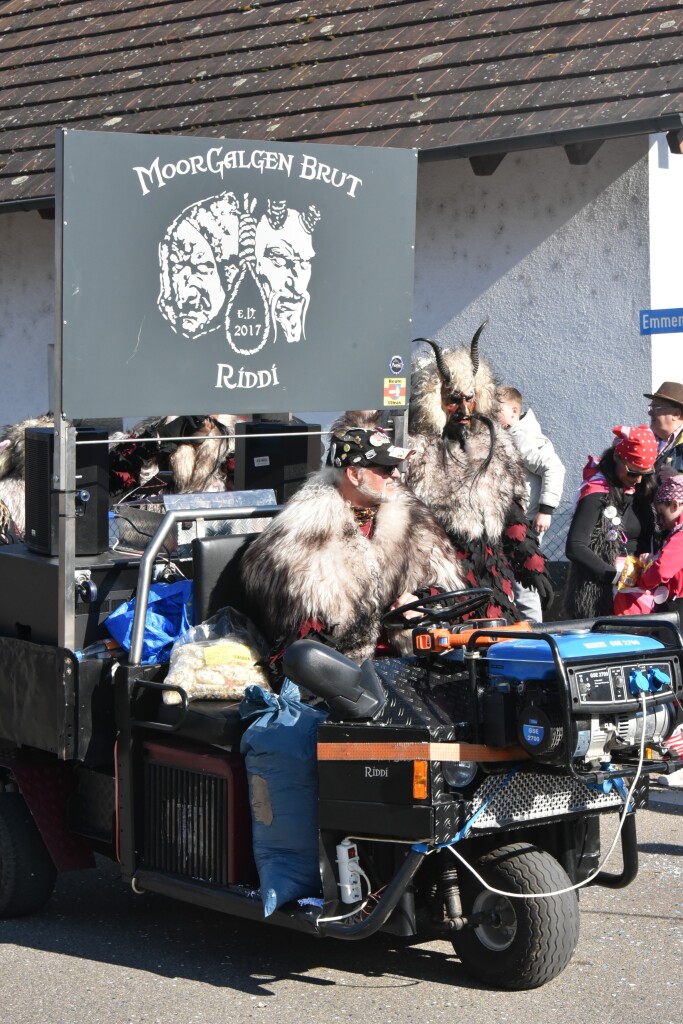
(343, 917)
(586, 881)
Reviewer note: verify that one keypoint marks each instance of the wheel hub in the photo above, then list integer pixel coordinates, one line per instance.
(498, 928)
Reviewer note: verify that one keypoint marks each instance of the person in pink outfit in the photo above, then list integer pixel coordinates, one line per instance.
(666, 571)
(666, 574)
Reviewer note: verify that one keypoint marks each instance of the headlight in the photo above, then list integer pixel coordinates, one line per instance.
(459, 774)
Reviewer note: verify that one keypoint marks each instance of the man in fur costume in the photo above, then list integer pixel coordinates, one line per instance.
(200, 461)
(351, 544)
(470, 475)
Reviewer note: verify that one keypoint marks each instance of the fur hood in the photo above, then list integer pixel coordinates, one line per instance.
(425, 413)
(202, 467)
(195, 466)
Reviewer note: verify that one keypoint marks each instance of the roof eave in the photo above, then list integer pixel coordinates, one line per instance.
(489, 147)
(544, 140)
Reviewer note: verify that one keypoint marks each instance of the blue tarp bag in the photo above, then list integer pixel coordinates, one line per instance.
(279, 747)
(168, 615)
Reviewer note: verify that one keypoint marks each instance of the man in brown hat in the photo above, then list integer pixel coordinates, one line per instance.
(666, 421)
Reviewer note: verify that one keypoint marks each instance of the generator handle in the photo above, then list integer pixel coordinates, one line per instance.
(665, 620)
(149, 684)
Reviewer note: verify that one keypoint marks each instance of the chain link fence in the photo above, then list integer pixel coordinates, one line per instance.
(556, 537)
(555, 559)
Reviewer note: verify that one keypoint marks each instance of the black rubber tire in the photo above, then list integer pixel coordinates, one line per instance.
(535, 938)
(27, 872)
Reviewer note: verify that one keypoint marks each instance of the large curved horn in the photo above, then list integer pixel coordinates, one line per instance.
(441, 366)
(474, 348)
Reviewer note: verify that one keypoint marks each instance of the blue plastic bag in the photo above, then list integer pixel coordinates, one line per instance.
(168, 615)
(279, 747)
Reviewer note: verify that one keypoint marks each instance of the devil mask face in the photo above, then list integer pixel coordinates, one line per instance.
(459, 407)
(451, 391)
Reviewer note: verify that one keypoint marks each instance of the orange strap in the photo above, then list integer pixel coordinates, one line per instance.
(418, 752)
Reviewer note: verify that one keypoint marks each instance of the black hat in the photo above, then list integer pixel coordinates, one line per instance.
(360, 446)
(669, 391)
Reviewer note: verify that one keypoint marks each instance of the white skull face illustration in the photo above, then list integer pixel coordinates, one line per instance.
(198, 265)
(283, 263)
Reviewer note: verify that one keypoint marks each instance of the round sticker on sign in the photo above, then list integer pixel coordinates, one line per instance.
(396, 364)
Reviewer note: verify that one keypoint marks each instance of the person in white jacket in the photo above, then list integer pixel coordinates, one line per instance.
(544, 473)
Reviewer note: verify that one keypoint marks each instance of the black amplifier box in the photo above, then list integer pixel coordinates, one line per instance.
(30, 594)
(42, 501)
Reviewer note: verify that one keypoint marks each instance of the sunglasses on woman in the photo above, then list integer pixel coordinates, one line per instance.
(638, 472)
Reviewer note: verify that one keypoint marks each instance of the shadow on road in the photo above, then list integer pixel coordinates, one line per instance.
(94, 916)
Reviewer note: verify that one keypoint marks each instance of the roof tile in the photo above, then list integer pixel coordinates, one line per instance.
(429, 73)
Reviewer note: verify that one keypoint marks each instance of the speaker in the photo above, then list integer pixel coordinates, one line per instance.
(42, 501)
(281, 460)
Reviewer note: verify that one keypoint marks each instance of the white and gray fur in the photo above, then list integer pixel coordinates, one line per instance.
(313, 562)
(469, 498)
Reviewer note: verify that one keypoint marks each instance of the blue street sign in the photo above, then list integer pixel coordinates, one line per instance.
(661, 321)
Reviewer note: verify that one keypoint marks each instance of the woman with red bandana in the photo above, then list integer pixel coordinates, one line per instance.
(612, 518)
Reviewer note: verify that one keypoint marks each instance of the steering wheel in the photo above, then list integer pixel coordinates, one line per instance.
(454, 605)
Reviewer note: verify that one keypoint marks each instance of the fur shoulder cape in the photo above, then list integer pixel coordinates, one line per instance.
(314, 562)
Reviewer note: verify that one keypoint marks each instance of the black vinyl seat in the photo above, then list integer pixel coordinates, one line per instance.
(216, 573)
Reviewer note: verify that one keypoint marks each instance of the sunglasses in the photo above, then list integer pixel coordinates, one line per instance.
(638, 472)
(383, 470)
(662, 410)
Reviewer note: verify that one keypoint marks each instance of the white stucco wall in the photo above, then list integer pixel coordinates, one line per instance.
(27, 323)
(556, 257)
(666, 262)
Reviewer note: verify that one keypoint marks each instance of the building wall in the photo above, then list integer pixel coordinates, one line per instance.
(666, 239)
(556, 257)
(27, 318)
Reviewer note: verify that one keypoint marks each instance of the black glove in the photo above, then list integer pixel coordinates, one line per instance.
(540, 581)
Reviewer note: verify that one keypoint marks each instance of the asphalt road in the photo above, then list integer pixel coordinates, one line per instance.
(98, 953)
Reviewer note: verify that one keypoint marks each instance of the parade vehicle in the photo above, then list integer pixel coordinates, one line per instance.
(463, 792)
(459, 790)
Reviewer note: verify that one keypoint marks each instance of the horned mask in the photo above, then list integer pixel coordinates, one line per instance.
(449, 372)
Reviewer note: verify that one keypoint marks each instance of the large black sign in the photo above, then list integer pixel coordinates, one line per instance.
(206, 276)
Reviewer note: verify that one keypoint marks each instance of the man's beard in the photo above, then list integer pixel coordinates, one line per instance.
(289, 315)
(377, 499)
(457, 430)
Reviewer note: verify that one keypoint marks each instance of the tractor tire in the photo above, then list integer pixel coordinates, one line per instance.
(528, 941)
(27, 872)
